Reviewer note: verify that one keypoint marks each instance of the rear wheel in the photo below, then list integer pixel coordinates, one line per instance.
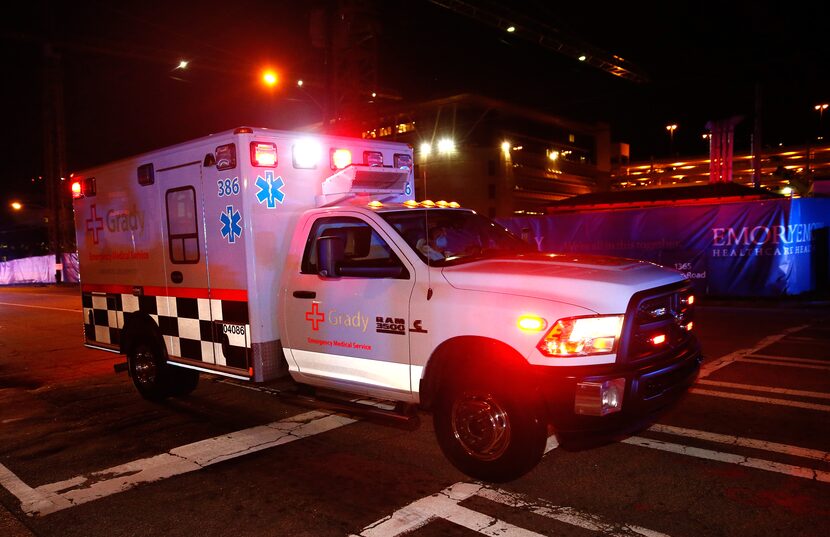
(154, 379)
(489, 430)
(147, 369)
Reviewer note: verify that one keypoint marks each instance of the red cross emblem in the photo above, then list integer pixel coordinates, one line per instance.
(94, 224)
(316, 317)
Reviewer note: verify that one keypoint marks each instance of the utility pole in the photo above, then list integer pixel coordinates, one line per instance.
(348, 33)
(54, 146)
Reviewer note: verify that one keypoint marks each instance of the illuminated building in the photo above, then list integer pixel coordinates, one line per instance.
(497, 158)
(784, 168)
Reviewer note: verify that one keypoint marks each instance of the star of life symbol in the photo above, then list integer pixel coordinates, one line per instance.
(94, 224)
(230, 224)
(316, 317)
(270, 189)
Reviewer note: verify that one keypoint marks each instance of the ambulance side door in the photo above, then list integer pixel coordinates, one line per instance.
(349, 330)
(183, 314)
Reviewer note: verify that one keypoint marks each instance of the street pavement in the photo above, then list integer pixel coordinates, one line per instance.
(745, 453)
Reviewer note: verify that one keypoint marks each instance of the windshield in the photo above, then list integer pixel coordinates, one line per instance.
(449, 237)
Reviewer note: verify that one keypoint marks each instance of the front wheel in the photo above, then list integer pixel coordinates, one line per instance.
(488, 430)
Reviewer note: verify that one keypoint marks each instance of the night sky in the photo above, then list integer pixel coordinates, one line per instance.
(122, 95)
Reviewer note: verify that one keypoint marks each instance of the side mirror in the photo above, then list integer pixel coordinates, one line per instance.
(329, 255)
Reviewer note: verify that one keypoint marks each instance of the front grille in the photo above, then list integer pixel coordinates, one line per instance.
(655, 314)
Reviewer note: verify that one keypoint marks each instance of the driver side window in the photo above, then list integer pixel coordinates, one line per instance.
(363, 248)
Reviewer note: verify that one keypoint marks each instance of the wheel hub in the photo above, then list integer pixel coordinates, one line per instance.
(481, 426)
(145, 367)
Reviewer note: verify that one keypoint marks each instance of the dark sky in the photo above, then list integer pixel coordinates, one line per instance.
(123, 97)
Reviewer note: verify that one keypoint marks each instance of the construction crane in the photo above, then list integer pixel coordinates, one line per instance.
(544, 35)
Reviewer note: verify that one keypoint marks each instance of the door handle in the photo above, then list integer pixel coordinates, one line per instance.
(305, 294)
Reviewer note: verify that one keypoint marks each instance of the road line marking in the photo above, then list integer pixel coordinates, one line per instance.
(551, 443)
(790, 359)
(723, 361)
(567, 515)
(808, 339)
(749, 462)
(743, 442)
(756, 399)
(31, 500)
(47, 499)
(783, 363)
(39, 307)
(445, 505)
(770, 389)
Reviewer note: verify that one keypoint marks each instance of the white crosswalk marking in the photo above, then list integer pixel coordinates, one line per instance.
(768, 389)
(743, 442)
(54, 497)
(445, 505)
(757, 399)
(740, 460)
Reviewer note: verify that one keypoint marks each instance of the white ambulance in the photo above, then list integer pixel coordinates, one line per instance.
(254, 252)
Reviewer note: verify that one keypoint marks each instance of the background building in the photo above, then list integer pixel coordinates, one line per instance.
(786, 170)
(497, 158)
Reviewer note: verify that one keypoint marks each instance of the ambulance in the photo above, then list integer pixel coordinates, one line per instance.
(257, 254)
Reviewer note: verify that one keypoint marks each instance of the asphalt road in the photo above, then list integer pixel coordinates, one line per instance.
(745, 453)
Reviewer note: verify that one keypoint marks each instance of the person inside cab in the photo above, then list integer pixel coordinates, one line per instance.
(444, 242)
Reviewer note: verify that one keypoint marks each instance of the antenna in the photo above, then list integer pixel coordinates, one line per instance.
(426, 237)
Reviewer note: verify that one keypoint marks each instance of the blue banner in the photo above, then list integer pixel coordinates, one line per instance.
(756, 248)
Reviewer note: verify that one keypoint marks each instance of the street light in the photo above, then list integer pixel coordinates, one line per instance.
(16, 205)
(270, 78)
(820, 108)
(671, 128)
(446, 146)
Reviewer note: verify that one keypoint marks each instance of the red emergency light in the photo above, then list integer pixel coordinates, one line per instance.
(263, 154)
(83, 187)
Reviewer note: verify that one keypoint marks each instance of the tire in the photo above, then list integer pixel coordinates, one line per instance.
(488, 429)
(154, 379)
(183, 381)
(148, 370)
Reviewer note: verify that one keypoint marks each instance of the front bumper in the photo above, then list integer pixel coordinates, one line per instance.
(649, 388)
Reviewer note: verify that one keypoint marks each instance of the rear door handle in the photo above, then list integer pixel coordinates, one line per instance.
(305, 294)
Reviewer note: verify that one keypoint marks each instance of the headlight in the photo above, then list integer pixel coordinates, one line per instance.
(581, 336)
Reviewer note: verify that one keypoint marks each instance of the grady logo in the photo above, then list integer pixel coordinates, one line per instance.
(125, 220)
(94, 224)
(336, 318)
(117, 221)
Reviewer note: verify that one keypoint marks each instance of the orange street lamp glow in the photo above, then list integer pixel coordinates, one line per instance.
(16, 205)
(270, 78)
